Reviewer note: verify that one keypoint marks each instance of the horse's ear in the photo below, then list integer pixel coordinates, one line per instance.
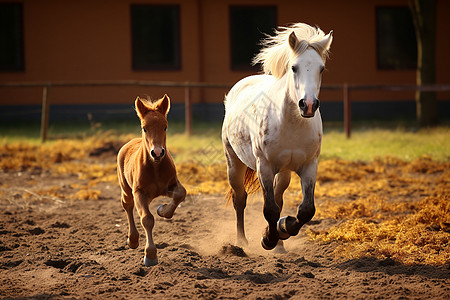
(293, 41)
(141, 108)
(164, 105)
(326, 41)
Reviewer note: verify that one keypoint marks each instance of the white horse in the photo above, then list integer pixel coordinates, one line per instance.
(273, 126)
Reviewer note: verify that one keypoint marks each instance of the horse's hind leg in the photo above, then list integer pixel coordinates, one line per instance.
(133, 235)
(178, 193)
(147, 221)
(236, 172)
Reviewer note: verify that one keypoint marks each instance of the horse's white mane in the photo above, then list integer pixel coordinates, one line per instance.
(276, 54)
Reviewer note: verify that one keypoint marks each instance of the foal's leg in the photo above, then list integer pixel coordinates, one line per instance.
(281, 183)
(147, 221)
(236, 172)
(178, 193)
(290, 225)
(271, 210)
(133, 235)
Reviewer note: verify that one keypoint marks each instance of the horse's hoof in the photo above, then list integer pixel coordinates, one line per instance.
(267, 246)
(150, 262)
(282, 230)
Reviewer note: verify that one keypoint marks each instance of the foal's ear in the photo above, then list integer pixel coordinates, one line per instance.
(141, 108)
(293, 41)
(164, 105)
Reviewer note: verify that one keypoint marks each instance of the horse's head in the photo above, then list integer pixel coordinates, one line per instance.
(306, 71)
(154, 124)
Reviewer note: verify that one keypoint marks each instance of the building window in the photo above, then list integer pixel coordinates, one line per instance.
(396, 39)
(11, 37)
(155, 37)
(248, 26)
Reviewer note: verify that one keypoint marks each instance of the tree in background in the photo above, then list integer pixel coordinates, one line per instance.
(424, 17)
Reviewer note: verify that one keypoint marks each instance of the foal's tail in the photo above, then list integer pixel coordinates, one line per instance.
(251, 184)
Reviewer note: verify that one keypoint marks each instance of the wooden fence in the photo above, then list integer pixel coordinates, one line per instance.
(187, 86)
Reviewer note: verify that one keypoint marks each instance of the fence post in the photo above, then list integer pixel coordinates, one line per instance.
(44, 113)
(187, 110)
(347, 111)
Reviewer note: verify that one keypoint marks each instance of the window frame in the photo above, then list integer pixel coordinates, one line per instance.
(19, 64)
(386, 66)
(176, 65)
(249, 66)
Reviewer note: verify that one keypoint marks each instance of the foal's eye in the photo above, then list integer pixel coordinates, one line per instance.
(165, 128)
(144, 130)
(294, 69)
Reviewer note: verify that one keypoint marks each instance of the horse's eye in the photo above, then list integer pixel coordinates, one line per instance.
(294, 69)
(165, 128)
(144, 130)
(322, 69)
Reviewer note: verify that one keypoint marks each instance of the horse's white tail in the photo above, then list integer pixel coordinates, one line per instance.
(251, 184)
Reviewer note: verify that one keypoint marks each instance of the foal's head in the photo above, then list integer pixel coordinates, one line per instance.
(153, 117)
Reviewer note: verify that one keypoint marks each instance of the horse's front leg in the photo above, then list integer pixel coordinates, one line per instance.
(141, 201)
(290, 226)
(271, 210)
(281, 183)
(178, 193)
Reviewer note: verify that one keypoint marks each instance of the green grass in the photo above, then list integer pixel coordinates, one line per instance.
(205, 148)
(367, 142)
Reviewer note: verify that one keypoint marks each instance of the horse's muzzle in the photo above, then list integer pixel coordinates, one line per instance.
(308, 106)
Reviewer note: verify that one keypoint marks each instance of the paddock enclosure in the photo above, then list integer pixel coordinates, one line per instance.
(381, 230)
(382, 224)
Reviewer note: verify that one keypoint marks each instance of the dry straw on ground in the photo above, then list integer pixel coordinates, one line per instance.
(386, 208)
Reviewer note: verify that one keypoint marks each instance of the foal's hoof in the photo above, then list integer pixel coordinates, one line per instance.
(159, 210)
(150, 262)
(132, 245)
(282, 230)
(162, 213)
(242, 242)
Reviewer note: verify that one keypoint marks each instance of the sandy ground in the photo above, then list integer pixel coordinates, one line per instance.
(55, 249)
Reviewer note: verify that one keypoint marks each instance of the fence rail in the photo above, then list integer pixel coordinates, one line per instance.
(99, 83)
(345, 88)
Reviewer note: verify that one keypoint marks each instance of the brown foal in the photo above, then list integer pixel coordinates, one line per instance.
(145, 171)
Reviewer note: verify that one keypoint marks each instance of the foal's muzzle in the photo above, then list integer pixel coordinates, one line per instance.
(308, 106)
(157, 153)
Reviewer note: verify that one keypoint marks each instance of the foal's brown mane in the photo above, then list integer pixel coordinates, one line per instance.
(147, 105)
(150, 103)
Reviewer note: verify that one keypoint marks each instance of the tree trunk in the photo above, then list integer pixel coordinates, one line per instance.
(424, 16)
